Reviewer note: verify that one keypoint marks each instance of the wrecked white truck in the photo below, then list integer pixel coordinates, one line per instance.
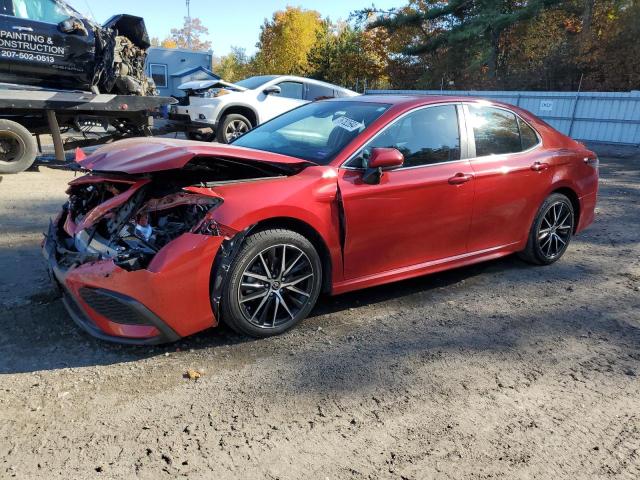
(47, 43)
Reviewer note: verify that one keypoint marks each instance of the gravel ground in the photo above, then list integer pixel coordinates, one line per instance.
(500, 370)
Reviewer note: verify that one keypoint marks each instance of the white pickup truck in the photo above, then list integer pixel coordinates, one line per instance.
(215, 109)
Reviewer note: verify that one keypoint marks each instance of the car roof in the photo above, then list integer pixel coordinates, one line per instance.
(409, 101)
(403, 99)
(310, 80)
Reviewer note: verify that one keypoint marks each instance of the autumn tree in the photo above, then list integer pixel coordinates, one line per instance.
(234, 66)
(286, 40)
(189, 36)
(169, 43)
(349, 55)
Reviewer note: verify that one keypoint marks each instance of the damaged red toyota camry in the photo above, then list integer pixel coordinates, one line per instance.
(163, 238)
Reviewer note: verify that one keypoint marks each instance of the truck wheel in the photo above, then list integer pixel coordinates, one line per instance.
(17, 147)
(231, 127)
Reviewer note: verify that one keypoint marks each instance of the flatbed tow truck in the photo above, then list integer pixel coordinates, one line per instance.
(62, 72)
(27, 113)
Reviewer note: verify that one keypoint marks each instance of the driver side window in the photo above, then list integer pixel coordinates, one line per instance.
(291, 90)
(426, 136)
(48, 11)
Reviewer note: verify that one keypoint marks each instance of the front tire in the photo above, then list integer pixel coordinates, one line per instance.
(551, 231)
(231, 127)
(273, 283)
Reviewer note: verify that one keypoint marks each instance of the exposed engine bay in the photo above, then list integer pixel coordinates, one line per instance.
(124, 53)
(130, 218)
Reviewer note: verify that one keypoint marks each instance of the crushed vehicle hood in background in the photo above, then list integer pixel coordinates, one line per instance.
(197, 85)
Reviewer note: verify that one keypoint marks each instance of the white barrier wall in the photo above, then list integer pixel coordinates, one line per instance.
(611, 117)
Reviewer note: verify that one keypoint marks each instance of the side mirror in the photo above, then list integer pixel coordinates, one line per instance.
(272, 90)
(73, 25)
(381, 159)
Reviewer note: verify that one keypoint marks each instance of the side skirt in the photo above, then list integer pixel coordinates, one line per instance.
(424, 268)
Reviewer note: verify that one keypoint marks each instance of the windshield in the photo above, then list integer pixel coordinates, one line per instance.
(316, 132)
(255, 82)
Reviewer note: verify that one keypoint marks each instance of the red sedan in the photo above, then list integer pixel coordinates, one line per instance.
(163, 238)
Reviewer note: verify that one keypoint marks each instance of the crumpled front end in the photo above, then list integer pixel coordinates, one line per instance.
(133, 258)
(136, 246)
(122, 45)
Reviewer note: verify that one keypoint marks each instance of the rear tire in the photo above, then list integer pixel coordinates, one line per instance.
(266, 295)
(231, 127)
(551, 231)
(17, 147)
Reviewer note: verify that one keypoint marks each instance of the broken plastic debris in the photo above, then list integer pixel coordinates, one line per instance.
(193, 374)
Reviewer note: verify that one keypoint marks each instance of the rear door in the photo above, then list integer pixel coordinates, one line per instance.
(512, 174)
(418, 213)
(34, 50)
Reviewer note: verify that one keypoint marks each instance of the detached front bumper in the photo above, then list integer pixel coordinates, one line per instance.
(168, 300)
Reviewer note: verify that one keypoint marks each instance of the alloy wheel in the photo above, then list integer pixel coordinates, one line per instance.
(275, 286)
(555, 230)
(235, 129)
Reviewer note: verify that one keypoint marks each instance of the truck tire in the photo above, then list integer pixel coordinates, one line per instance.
(17, 147)
(231, 126)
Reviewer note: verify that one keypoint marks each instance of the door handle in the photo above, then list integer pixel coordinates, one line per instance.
(460, 178)
(539, 166)
(22, 29)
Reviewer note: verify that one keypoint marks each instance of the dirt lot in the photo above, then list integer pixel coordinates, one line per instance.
(501, 370)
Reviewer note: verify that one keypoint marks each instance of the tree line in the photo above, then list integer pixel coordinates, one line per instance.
(453, 44)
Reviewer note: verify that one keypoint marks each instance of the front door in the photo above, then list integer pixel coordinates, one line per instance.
(418, 213)
(291, 96)
(34, 50)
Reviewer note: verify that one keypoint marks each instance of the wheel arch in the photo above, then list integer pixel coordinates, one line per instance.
(307, 231)
(243, 110)
(575, 202)
(230, 248)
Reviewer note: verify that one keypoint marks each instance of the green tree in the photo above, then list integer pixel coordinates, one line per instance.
(234, 66)
(471, 26)
(349, 55)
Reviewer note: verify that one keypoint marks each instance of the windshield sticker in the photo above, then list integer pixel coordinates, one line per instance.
(347, 123)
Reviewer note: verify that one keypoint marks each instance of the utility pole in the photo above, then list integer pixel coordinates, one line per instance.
(189, 44)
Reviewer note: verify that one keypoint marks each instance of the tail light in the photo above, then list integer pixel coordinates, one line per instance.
(593, 162)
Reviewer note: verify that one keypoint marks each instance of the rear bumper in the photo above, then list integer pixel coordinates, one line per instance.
(587, 211)
(168, 300)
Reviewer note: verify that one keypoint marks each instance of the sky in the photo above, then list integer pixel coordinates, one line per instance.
(230, 23)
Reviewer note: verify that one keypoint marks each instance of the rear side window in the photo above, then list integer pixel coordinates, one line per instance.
(528, 137)
(495, 131)
(318, 92)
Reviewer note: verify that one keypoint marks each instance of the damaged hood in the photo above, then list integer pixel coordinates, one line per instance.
(147, 155)
(197, 85)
